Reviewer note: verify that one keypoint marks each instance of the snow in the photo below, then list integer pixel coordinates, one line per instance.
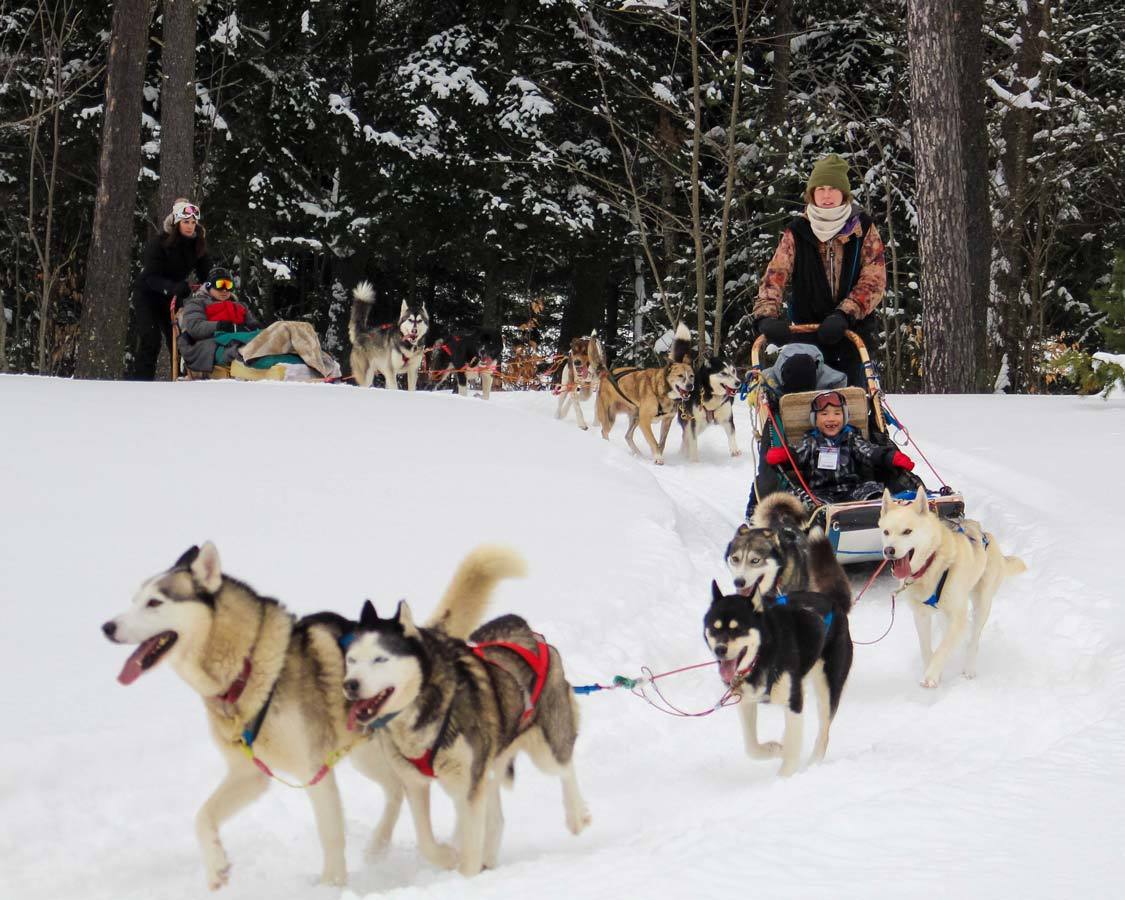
(325, 495)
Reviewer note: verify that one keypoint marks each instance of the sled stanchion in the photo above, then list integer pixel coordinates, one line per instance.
(910, 439)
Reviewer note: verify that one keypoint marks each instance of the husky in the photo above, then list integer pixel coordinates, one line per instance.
(711, 403)
(390, 350)
(942, 567)
(458, 713)
(647, 395)
(779, 553)
(585, 363)
(770, 653)
(478, 351)
(272, 687)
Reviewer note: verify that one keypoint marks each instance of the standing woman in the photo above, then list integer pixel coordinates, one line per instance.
(832, 260)
(168, 262)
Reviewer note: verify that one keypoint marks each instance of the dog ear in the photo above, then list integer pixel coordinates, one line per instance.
(888, 501)
(405, 309)
(368, 617)
(206, 570)
(716, 593)
(743, 529)
(921, 502)
(405, 619)
(186, 558)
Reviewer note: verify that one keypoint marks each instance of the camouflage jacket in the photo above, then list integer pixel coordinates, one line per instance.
(866, 292)
(854, 451)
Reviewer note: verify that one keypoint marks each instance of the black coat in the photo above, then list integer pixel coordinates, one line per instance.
(165, 266)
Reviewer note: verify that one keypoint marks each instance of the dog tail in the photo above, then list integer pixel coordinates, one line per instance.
(826, 575)
(780, 510)
(470, 590)
(363, 295)
(1013, 565)
(681, 345)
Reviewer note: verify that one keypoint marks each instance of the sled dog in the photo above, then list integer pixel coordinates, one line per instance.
(711, 403)
(585, 363)
(647, 395)
(458, 713)
(390, 350)
(274, 684)
(770, 650)
(779, 553)
(942, 567)
(478, 350)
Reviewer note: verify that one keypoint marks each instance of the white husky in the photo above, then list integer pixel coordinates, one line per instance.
(941, 566)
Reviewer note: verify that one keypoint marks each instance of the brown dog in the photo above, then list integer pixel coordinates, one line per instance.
(584, 365)
(647, 395)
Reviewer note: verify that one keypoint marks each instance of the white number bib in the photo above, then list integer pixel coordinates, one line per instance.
(828, 458)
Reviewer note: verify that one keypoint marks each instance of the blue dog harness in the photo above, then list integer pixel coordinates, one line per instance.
(783, 600)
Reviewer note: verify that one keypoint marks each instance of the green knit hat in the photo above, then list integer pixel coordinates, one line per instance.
(832, 171)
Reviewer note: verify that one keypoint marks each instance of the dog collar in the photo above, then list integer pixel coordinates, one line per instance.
(914, 576)
(380, 721)
(231, 694)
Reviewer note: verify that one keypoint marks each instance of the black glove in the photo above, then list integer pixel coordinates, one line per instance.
(181, 290)
(776, 331)
(225, 327)
(831, 330)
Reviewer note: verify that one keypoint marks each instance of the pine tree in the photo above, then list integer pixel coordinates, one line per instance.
(1110, 301)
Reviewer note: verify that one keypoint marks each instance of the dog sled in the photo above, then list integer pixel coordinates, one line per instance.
(852, 527)
(288, 348)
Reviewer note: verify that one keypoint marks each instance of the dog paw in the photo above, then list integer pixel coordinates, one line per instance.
(576, 823)
(658, 462)
(218, 878)
(929, 682)
(442, 856)
(768, 750)
(377, 846)
(736, 453)
(334, 877)
(584, 427)
(969, 673)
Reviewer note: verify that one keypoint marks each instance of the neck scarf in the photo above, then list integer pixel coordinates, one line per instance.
(827, 223)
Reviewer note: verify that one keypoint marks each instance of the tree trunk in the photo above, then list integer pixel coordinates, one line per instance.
(942, 242)
(969, 35)
(492, 315)
(105, 310)
(782, 55)
(177, 103)
(3, 335)
(589, 287)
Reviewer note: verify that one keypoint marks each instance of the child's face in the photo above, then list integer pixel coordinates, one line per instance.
(830, 420)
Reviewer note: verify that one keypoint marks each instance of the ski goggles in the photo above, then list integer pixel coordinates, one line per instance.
(187, 211)
(223, 284)
(827, 399)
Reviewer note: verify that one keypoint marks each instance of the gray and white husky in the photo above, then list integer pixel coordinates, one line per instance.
(458, 713)
(390, 350)
(275, 684)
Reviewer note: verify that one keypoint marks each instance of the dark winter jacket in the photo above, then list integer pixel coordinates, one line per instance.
(197, 332)
(164, 266)
(855, 452)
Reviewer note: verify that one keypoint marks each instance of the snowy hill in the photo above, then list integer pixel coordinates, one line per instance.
(1008, 785)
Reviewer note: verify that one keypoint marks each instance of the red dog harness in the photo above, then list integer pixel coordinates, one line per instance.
(538, 660)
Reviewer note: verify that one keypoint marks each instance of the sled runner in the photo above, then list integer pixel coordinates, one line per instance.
(852, 527)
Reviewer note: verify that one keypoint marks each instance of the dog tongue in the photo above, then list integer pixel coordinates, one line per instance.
(363, 708)
(727, 668)
(132, 670)
(900, 567)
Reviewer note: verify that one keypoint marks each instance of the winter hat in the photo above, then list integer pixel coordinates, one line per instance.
(218, 273)
(832, 171)
(798, 373)
(825, 399)
(182, 210)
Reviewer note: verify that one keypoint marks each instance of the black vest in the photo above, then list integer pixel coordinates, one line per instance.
(810, 299)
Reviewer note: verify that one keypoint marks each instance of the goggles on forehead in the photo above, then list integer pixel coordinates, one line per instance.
(187, 211)
(223, 284)
(829, 398)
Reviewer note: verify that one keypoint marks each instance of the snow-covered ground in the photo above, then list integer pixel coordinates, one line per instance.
(1009, 785)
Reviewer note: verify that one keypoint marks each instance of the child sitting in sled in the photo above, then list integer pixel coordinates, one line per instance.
(833, 455)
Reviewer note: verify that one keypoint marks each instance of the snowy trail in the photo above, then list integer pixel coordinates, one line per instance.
(1004, 785)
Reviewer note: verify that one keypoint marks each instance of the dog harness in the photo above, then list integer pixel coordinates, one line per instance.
(783, 600)
(539, 661)
(231, 694)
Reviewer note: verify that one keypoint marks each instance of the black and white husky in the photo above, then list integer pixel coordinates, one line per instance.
(471, 354)
(771, 651)
(711, 403)
(390, 350)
